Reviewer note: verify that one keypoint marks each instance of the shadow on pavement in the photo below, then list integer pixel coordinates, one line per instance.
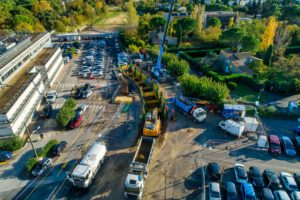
(194, 181)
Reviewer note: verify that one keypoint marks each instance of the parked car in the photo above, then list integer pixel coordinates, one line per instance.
(59, 148)
(214, 191)
(41, 167)
(214, 171)
(247, 191)
(5, 156)
(274, 144)
(86, 94)
(78, 94)
(296, 141)
(288, 182)
(266, 194)
(81, 109)
(297, 178)
(296, 130)
(240, 173)
(288, 146)
(47, 111)
(76, 121)
(255, 177)
(230, 191)
(295, 195)
(51, 96)
(271, 180)
(86, 87)
(281, 195)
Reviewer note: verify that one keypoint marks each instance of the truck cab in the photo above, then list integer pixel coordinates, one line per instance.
(134, 185)
(199, 114)
(80, 176)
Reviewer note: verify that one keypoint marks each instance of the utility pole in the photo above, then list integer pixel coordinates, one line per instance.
(26, 130)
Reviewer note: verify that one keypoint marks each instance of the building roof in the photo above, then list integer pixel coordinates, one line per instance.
(220, 13)
(25, 43)
(21, 80)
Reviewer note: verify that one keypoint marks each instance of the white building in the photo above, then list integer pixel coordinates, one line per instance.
(33, 70)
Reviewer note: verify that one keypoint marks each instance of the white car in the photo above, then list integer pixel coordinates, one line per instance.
(281, 195)
(214, 191)
(51, 96)
(97, 73)
(81, 109)
(288, 182)
(85, 71)
(240, 173)
(87, 94)
(295, 195)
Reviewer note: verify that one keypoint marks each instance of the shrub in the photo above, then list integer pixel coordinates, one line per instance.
(47, 148)
(267, 111)
(133, 48)
(12, 144)
(30, 164)
(231, 85)
(66, 113)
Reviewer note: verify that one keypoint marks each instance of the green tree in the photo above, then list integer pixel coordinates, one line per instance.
(60, 27)
(250, 43)
(66, 113)
(233, 37)
(214, 22)
(271, 8)
(157, 22)
(187, 26)
(133, 18)
(259, 68)
(267, 56)
(178, 67)
(133, 48)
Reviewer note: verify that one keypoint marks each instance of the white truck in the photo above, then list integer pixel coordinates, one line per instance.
(83, 174)
(232, 127)
(251, 124)
(134, 183)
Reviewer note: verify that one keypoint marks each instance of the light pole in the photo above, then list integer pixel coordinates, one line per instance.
(31, 140)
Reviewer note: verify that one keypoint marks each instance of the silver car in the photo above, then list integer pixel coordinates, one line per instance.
(288, 182)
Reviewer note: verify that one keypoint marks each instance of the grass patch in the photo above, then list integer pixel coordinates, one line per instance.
(248, 94)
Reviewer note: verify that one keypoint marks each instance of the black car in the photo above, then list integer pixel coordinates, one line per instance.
(59, 148)
(272, 180)
(47, 111)
(297, 178)
(266, 194)
(78, 94)
(256, 177)
(296, 141)
(230, 191)
(214, 171)
(86, 87)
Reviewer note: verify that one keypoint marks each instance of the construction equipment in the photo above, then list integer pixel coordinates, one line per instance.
(134, 183)
(157, 72)
(152, 124)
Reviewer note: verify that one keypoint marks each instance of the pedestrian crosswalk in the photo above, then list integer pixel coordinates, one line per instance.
(91, 107)
(74, 85)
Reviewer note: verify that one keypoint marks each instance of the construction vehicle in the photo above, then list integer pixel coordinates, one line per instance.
(234, 128)
(152, 124)
(189, 109)
(134, 183)
(232, 111)
(83, 174)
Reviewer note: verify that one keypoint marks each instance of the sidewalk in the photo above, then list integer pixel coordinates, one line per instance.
(12, 175)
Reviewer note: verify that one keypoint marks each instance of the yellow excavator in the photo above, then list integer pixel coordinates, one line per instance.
(152, 124)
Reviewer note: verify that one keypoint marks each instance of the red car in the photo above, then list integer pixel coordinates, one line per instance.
(76, 121)
(274, 144)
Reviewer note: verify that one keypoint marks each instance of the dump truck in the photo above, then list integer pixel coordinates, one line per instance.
(83, 174)
(189, 109)
(134, 183)
(152, 124)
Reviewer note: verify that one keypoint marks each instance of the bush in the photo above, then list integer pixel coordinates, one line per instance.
(267, 111)
(231, 85)
(30, 164)
(66, 113)
(12, 144)
(45, 152)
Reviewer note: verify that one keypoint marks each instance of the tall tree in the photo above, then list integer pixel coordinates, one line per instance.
(233, 37)
(187, 24)
(157, 22)
(267, 56)
(269, 34)
(214, 22)
(199, 20)
(250, 43)
(133, 18)
(195, 12)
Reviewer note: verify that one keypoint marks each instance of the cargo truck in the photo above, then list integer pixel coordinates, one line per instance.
(190, 109)
(232, 127)
(83, 174)
(134, 183)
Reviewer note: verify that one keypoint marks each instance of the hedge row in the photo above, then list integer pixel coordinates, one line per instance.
(12, 144)
(204, 47)
(44, 152)
(67, 112)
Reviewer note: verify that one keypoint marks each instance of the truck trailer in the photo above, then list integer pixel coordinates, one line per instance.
(231, 111)
(234, 128)
(134, 183)
(189, 109)
(83, 174)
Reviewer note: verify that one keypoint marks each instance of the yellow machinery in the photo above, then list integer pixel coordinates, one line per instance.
(152, 124)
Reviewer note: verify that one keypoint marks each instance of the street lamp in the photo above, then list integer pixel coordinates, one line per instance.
(27, 131)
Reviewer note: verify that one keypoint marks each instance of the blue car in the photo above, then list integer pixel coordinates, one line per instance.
(5, 155)
(288, 146)
(248, 192)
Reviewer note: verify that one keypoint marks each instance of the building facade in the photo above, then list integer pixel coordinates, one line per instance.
(23, 89)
